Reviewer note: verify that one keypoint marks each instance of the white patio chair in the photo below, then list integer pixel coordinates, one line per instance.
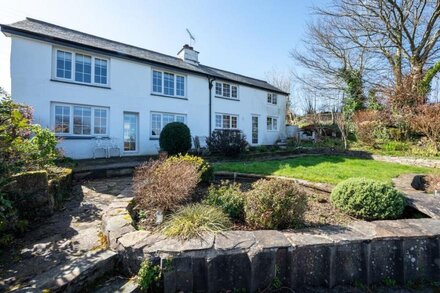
(98, 145)
(113, 146)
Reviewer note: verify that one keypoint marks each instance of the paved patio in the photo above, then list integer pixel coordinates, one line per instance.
(62, 238)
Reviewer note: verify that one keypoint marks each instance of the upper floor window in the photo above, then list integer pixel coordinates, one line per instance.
(226, 90)
(226, 121)
(86, 69)
(272, 123)
(272, 98)
(169, 84)
(159, 120)
(79, 120)
(64, 64)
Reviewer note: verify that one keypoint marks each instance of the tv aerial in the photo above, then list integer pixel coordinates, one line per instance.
(192, 39)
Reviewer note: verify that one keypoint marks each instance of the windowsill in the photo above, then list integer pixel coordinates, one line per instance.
(79, 137)
(80, 83)
(154, 138)
(270, 104)
(226, 98)
(226, 129)
(272, 130)
(167, 96)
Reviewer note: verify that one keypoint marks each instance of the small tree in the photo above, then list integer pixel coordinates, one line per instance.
(427, 122)
(175, 138)
(343, 123)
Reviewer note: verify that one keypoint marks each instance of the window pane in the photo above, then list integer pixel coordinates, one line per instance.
(234, 92)
(234, 122)
(82, 120)
(157, 81)
(64, 65)
(100, 71)
(62, 119)
(269, 123)
(83, 68)
(226, 90)
(274, 99)
(180, 118)
(180, 86)
(218, 88)
(168, 84)
(100, 123)
(167, 118)
(156, 125)
(275, 124)
(269, 98)
(226, 121)
(218, 121)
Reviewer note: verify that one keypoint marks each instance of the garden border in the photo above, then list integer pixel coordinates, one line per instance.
(400, 251)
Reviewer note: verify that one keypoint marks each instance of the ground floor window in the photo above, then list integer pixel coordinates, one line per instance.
(226, 121)
(79, 120)
(160, 119)
(272, 123)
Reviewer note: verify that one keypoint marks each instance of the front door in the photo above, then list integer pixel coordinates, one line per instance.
(254, 129)
(130, 132)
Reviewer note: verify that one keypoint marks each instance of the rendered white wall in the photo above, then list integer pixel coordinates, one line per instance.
(130, 82)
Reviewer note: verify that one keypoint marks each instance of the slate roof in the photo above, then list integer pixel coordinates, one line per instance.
(57, 34)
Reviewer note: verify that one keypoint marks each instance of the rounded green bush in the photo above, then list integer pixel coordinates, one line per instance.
(368, 199)
(229, 197)
(175, 138)
(275, 204)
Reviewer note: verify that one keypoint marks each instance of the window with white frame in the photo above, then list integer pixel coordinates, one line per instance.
(168, 84)
(79, 120)
(86, 69)
(226, 90)
(226, 121)
(272, 123)
(272, 98)
(160, 119)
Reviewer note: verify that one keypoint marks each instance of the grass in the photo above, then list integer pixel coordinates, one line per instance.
(327, 169)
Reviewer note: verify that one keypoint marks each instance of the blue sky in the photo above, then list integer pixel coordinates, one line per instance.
(247, 37)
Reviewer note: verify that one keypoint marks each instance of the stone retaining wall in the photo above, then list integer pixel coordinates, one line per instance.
(362, 253)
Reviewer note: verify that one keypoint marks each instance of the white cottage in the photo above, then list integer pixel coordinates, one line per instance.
(83, 87)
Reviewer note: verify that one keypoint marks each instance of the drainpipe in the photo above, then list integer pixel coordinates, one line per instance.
(210, 84)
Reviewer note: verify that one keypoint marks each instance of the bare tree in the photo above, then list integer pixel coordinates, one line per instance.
(378, 38)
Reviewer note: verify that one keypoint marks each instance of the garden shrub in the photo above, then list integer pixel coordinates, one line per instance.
(368, 199)
(195, 220)
(275, 204)
(227, 196)
(228, 142)
(175, 138)
(149, 276)
(395, 146)
(432, 183)
(205, 169)
(367, 123)
(164, 185)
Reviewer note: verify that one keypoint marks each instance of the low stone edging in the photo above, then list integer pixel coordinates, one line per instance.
(428, 204)
(366, 252)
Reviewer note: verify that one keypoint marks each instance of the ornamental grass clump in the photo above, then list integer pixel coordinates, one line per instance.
(368, 199)
(164, 185)
(205, 169)
(275, 204)
(194, 220)
(229, 197)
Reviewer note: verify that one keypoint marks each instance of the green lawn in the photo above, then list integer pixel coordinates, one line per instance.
(328, 169)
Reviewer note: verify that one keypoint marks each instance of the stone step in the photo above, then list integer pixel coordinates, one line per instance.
(77, 275)
(117, 284)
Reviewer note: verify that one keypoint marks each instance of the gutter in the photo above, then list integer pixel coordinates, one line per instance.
(210, 85)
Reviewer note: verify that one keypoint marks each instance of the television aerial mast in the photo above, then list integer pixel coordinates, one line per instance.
(192, 39)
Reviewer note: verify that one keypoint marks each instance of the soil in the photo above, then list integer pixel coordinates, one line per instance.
(320, 211)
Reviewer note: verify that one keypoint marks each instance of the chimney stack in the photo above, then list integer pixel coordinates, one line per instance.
(188, 54)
